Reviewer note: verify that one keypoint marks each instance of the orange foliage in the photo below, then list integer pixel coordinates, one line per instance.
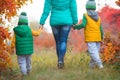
(5, 60)
(111, 45)
(118, 2)
(9, 8)
(111, 50)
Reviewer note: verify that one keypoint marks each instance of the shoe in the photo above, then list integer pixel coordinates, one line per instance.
(28, 72)
(23, 76)
(60, 65)
(92, 65)
(101, 66)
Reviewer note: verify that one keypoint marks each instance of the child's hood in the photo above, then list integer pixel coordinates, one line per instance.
(93, 14)
(21, 30)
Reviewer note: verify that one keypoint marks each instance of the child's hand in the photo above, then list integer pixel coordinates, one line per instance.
(37, 33)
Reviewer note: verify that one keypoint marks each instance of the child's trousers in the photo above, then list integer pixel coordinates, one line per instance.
(24, 62)
(94, 49)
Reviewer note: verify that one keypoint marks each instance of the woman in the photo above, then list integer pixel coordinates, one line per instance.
(63, 14)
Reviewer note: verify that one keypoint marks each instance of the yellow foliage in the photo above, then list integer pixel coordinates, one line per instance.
(5, 61)
(111, 50)
(117, 2)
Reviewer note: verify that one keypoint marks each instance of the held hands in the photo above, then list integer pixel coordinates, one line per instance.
(40, 27)
(74, 25)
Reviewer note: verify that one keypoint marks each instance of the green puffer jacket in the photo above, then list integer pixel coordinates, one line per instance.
(24, 40)
(63, 12)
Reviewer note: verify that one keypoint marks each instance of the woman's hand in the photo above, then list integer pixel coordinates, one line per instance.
(73, 26)
(40, 26)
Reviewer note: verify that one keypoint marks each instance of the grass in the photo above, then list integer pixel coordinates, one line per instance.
(44, 67)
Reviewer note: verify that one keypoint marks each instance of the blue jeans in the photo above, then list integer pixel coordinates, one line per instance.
(61, 34)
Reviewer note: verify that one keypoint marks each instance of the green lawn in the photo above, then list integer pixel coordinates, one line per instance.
(44, 67)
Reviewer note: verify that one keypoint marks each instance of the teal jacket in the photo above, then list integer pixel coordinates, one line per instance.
(83, 25)
(24, 40)
(63, 12)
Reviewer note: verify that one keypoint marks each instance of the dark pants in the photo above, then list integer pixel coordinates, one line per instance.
(61, 34)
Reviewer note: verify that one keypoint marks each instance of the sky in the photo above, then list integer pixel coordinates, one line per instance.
(35, 9)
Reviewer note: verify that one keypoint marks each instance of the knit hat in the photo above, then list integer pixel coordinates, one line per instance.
(23, 19)
(91, 5)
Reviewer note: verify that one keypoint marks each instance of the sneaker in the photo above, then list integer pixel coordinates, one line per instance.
(28, 72)
(101, 66)
(23, 76)
(60, 65)
(92, 65)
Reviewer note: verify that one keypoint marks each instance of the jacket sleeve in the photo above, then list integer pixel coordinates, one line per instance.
(36, 33)
(73, 9)
(82, 25)
(46, 11)
(102, 33)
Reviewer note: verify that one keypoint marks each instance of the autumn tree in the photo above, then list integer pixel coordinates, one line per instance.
(110, 19)
(9, 8)
(4, 55)
(110, 47)
(118, 2)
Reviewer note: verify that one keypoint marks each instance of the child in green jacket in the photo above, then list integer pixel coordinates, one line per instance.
(24, 43)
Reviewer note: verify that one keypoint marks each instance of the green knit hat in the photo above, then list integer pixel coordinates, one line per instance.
(23, 19)
(91, 5)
